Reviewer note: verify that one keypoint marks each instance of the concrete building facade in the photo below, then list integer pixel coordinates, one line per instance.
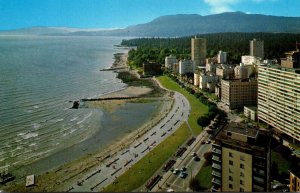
(170, 61)
(198, 51)
(279, 99)
(237, 93)
(186, 66)
(208, 81)
(222, 57)
(294, 181)
(241, 159)
(250, 112)
(257, 48)
(225, 72)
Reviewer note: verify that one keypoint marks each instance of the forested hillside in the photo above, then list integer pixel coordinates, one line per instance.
(236, 44)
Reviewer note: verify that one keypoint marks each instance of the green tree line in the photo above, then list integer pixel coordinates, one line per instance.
(235, 44)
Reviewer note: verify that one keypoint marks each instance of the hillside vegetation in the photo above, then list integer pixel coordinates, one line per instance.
(236, 44)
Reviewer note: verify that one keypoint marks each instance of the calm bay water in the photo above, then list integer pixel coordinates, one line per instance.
(38, 78)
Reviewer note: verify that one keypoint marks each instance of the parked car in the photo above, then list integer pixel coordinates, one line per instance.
(183, 174)
(183, 169)
(175, 171)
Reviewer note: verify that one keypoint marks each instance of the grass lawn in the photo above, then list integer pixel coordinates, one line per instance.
(204, 176)
(197, 108)
(140, 172)
(283, 164)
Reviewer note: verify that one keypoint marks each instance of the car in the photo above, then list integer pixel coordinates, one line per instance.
(175, 171)
(208, 142)
(202, 142)
(183, 169)
(183, 174)
(193, 154)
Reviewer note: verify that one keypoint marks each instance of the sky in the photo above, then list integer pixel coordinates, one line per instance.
(122, 13)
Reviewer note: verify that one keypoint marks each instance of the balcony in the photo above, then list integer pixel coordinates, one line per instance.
(257, 188)
(216, 181)
(215, 188)
(217, 151)
(216, 166)
(216, 158)
(217, 174)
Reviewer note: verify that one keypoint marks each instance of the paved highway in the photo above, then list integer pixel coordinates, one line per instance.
(107, 172)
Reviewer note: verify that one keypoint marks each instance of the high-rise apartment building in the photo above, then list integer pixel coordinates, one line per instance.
(199, 51)
(222, 57)
(279, 95)
(257, 48)
(241, 159)
(237, 93)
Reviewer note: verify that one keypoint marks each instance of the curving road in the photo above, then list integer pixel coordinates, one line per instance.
(107, 172)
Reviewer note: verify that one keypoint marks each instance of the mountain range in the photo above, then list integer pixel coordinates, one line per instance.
(181, 25)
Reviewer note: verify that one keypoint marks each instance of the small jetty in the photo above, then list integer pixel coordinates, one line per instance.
(114, 68)
(5, 176)
(111, 98)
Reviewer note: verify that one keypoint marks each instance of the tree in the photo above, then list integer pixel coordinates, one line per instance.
(203, 121)
(195, 184)
(208, 157)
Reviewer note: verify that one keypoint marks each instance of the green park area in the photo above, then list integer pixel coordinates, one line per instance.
(198, 109)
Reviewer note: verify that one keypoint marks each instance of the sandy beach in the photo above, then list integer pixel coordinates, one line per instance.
(60, 179)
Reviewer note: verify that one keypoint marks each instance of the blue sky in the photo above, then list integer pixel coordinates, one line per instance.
(122, 13)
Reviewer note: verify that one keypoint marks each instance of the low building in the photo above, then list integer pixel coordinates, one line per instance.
(170, 61)
(151, 68)
(225, 72)
(294, 181)
(241, 72)
(186, 66)
(211, 67)
(250, 112)
(239, 93)
(205, 79)
(249, 60)
(241, 159)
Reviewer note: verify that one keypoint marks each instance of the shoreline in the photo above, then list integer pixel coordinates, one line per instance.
(68, 173)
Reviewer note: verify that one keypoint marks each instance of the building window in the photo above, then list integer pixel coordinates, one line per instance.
(230, 171)
(242, 166)
(231, 162)
(242, 190)
(242, 158)
(241, 182)
(230, 178)
(230, 186)
(242, 174)
(230, 154)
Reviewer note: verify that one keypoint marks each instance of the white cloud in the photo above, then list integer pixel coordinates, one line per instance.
(220, 6)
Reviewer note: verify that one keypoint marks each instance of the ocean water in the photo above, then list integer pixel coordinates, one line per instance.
(38, 78)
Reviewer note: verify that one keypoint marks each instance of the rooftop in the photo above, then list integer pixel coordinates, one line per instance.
(256, 139)
(242, 129)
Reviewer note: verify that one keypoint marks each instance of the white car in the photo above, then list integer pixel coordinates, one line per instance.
(175, 171)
